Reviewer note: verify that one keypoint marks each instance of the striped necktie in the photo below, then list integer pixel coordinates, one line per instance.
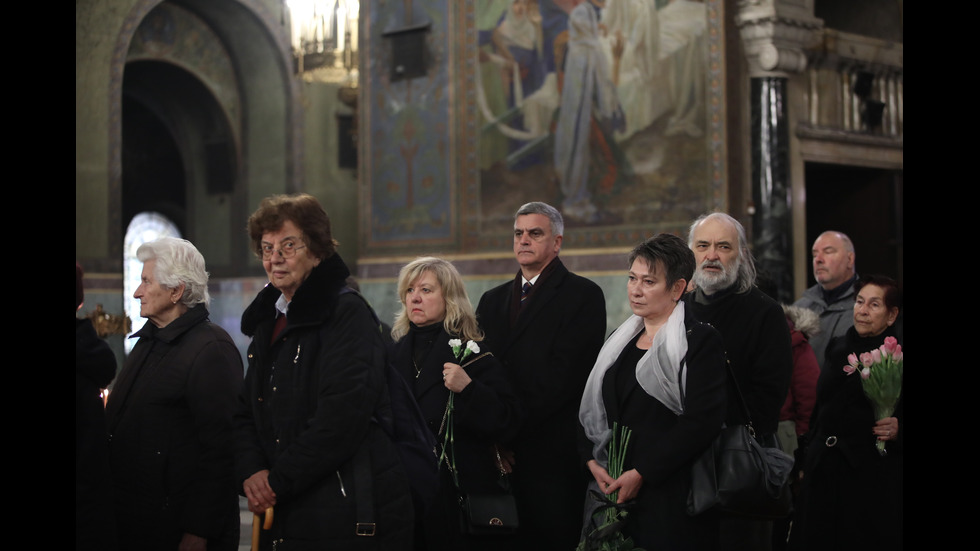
(525, 290)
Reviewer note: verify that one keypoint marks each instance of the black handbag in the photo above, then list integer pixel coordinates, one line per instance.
(740, 476)
(489, 514)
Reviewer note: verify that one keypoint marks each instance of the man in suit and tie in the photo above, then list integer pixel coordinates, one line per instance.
(548, 340)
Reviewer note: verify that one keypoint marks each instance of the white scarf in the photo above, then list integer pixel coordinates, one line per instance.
(658, 373)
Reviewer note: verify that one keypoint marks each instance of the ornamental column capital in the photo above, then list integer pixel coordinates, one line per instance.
(776, 35)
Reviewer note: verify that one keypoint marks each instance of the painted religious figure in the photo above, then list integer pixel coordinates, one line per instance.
(594, 105)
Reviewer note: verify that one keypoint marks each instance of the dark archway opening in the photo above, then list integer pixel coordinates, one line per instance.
(153, 172)
(176, 139)
(867, 205)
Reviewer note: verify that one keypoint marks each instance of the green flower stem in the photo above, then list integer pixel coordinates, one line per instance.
(448, 436)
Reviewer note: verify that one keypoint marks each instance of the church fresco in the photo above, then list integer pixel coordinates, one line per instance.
(609, 110)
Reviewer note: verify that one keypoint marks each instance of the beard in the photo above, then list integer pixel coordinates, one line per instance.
(711, 282)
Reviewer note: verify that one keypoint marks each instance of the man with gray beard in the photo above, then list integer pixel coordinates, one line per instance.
(757, 342)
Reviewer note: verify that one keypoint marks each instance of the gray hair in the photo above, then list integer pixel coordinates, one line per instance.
(745, 278)
(537, 207)
(178, 261)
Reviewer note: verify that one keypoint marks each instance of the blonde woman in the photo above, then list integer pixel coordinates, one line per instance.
(436, 310)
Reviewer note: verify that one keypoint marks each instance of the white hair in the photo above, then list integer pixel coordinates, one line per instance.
(178, 261)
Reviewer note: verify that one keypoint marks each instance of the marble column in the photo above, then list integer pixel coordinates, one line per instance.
(775, 34)
(771, 222)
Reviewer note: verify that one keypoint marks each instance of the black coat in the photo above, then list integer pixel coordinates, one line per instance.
(663, 445)
(485, 412)
(95, 367)
(169, 418)
(306, 416)
(852, 496)
(548, 353)
(759, 347)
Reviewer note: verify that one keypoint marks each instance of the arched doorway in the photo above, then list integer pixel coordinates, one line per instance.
(175, 138)
(206, 121)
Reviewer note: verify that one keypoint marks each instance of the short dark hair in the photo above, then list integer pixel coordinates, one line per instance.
(894, 296)
(671, 252)
(301, 209)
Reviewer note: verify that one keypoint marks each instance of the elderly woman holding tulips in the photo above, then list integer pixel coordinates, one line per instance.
(853, 454)
(437, 349)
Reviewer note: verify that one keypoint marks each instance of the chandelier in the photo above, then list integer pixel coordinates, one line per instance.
(324, 33)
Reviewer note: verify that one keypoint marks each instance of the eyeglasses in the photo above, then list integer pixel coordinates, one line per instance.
(287, 249)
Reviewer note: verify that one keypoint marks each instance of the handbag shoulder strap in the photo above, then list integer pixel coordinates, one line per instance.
(741, 398)
(476, 358)
(738, 389)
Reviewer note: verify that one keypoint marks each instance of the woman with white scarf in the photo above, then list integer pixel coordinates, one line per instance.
(662, 375)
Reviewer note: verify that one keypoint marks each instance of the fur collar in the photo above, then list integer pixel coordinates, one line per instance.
(314, 301)
(805, 320)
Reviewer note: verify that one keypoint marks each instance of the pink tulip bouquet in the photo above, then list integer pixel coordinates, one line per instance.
(881, 378)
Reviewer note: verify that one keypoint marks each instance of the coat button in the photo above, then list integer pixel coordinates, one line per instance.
(831, 441)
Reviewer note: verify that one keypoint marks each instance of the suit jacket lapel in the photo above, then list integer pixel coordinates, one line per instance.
(542, 296)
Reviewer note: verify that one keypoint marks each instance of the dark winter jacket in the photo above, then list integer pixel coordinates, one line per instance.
(757, 344)
(95, 367)
(852, 495)
(836, 316)
(664, 445)
(485, 412)
(306, 413)
(169, 418)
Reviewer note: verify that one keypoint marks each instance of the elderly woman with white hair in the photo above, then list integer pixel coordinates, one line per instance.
(169, 415)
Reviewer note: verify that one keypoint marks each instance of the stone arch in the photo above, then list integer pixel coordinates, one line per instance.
(217, 77)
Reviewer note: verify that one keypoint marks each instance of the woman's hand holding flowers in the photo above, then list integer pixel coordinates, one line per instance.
(600, 475)
(886, 429)
(455, 377)
(628, 485)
